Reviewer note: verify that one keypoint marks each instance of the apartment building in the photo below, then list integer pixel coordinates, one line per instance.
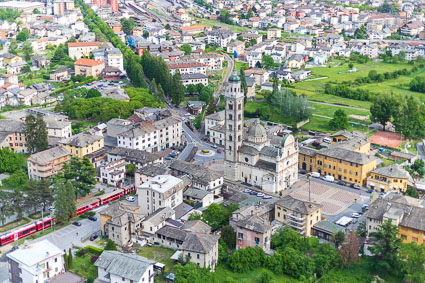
(113, 173)
(274, 33)
(36, 262)
(88, 67)
(160, 191)
(142, 137)
(137, 157)
(82, 144)
(297, 214)
(221, 37)
(346, 165)
(403, 211)
(194, 79)
(253, 231)
(12, 135)
(112, 57)
(58, 128)
(47, 163)
(185, 67)
(353, 140)
(389, 178)
(214, 119)
(213, 61)
(77, 50)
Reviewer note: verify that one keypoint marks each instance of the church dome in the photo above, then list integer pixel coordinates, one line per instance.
(257, 130)
(234, 77)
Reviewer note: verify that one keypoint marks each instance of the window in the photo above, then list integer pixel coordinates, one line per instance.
(257, 240)
(197, 256)
(230, 117)
(56, 259)
(240, 236)
(230, 106)
(123, 279)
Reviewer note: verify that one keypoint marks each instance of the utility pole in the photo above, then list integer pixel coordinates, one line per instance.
(309, 188)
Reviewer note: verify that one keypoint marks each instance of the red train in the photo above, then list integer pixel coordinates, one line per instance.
(87, 205)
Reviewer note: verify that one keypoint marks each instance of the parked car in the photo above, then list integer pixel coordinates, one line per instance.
(267, 197)
(77, 223)
(219, 150)
(302, 172)
(93, 237)
(355, 215)
(342, 183)
(214, 146)
(328, 178)
(247, 191)
(130, 198)
(253, 193)
(51, 208)
(260, 195)
(92, 218)
(357, 187)
(370, 191)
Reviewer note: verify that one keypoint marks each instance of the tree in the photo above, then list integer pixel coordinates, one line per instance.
(212, 107)
(266, 277)
(258, 65)
(292, 106)
(11, 161)
(69, 259)
(245, 260)
(191, 89)
(384, 107)
(110, 246)
(360, 33)
(386, 249)
(17, 180)
(81, 173)
(409, 120)
(130, 170)
(18, 202)
(27, 49)
(250, 13)
(64, 199)
(228, 235)
(191, 272)
(224, 17)
(6, 206)
(350, 65)
(177, 94)
(35, 133)
(218, 215)
(340, 120)
(186, 48)
(23, 35)
(338, 238)
(349, 251)
(412, 192)
(244, 85)
(36, 11)
(267, 61)
(413, 256)
(65, 260)
(372, 75)
(13, 46)
(127, 25)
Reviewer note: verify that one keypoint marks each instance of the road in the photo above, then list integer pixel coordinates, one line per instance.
(230, 66)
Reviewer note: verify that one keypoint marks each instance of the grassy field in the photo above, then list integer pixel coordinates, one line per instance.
(222, 274)
(211, 23)
(238, 65)
(159, 254)
(84, 267)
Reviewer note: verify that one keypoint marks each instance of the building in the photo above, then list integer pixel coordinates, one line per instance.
(82, 144)
(264, 211)
(296, 61)
(137, 157)
(196, 196)
(113, 173)
(214, 120)
(12, 135)
(270, 163)
(57, 127)
(186, 67)
(16, 68)
(60, 74)
(390, 178)
(353, 140)
(221, 37)
(77, 50)
(36, 262)
(114, 5)
(11, 58)
(402, 212)
(47, 163)
(114, 266)
(202, 249)
(274, 33)
(157, 220)
(23, 6)
(111, 56)
(325, 230)
(194, 79)
(253, 231)
(60, 7)
(343, 164)
(160, 191)
(88, 67)
(297, 214)
(121, 222)
(213, 61)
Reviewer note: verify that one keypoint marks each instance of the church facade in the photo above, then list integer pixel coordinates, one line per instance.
(253, 157)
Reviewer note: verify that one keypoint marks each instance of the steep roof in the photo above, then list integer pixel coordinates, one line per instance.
(82, 139)
(88, 62)
(196, 226)
(393, 171)
(201, 243)
(297, 205)
(255, 223)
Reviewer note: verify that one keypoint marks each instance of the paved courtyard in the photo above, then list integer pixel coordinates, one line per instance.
(334, 200)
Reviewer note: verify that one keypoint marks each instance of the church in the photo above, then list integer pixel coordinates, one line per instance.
(252, 156)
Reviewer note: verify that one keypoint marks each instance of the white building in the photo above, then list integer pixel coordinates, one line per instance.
(160, 191)
(38, 262)
(221, 37)
(112, 57)
(113, 173)
(57, 127)
(114, 266)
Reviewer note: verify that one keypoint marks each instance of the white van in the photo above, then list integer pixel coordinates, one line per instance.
(329, 178)
(327, 140)
(315, 174)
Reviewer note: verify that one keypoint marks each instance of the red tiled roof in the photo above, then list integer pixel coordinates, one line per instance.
(87, 62)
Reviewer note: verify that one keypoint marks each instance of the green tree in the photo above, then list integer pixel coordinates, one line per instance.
(13, 46)
(267, 62)
(36, 11)
(338, 238)
(110, 246)
(191, 272)
(17, 180)
(339, 121)
(413, 256)
(224, 17)
(228, 235)
(23, 35)
(6, 206)
(177, 94)
(245, 260)
(64, 199)
(250, 13)
(81, 173)
(130, 170)
(69, 258)
(372, 75)
(127, 25)
(11, 161)
(266, 277)
(350, 66)
(412, 192)
(409, 120)
(386, 249)
(244, 85)
(212, 107)
(294, 107)
(27, 49)
(35, 133)
(384, 107)
(186, 48)
(218, 215)
(65, 260)
(18, 201)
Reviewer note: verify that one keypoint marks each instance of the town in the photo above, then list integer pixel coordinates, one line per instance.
(207, 140)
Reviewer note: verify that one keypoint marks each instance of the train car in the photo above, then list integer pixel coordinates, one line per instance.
(88, 205)
(44, 223)
(112, 196)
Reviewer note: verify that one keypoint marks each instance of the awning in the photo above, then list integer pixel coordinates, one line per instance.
(382, 187)
(176, 255)
(371, 184)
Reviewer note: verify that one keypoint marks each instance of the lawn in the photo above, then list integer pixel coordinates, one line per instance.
(159, 254)
(84, 267)
(319, 124)
(211, 23)
(327, 110)
(222, 274)
(239, 65)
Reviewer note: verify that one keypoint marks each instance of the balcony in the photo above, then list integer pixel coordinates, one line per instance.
(295, 217)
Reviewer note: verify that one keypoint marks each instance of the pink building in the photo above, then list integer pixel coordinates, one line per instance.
(253, 231)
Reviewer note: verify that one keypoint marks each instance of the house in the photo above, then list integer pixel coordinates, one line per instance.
(35, 262)
(137, 157)
(213, 61)
(82, 144)
(221, 37)
(301, 75)
(236, 46)
(389, 178)
(60, 74)
(47, 163)
(114, 266)
(25, 96)
(77, 50)
(12, 135)
(213, 120)
(298, 214)
(160, 191)
(186, 67)
(195, 107)
(57, 127)
(157, 220)
(10, 59)
(264, 211)
(113, 173)
(121, 222)
(193, 30)
(111, 56)
(205, 198)
(326, 230)
(16, 68)
(253, 231)
(194, 79)
(88, 67)
(274, 33)
(40, 61)
(296, 61)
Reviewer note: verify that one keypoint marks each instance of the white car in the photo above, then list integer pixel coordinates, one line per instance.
(267, 197)
(355, 215)
(247, 191)
(130, 198)
(260, 195)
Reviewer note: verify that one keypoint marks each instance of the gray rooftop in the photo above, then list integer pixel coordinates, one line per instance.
(255, 223)
(47, 156)
(393, 171)
(135, 155)
(196, 226)
(297, 205)
(201, 243)
(82, 139)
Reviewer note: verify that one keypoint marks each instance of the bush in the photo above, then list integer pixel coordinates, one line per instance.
(87, 214)
(93, 250)
(99, 193)
(93, 259)
(81, 252)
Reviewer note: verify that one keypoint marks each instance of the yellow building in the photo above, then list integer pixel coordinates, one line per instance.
(390, 178)
(82, 144)
(354, 140)
(345, 165)
(296, 61)
(297, 214)
(10, 59)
